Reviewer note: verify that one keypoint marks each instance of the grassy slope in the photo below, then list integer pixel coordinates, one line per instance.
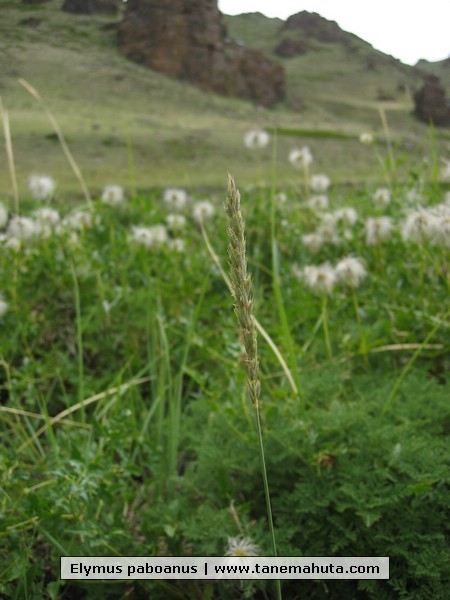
(179, 135)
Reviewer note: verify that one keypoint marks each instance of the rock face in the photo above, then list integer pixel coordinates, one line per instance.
(90, 7)
(301, 31)
(288, 48)
(431, 104)
(186, 39)
(313, 26)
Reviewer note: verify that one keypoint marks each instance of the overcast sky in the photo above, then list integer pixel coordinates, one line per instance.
(406, 29)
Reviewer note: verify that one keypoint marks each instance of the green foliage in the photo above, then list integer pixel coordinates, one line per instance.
(163, 460)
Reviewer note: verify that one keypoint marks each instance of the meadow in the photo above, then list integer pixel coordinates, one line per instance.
(133, 415)
(126, 425)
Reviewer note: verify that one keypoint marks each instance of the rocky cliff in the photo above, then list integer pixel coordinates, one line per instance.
(186, 39)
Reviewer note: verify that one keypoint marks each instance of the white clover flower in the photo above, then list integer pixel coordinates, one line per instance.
(3, 216)
(256, 139)
(382, 197)
(319, 183)
(317, 203)
(443, 231)
(300, 157)
(41, 187)
(203, 211)
(3, 306)
(328, 232)
(440, 210)
(113, 195)
(329, 219)
(378, 230)
(73, 239)
(150, 237)
(313, 242)
(175, 198)
(42, 230)
(413, 197)
(241, 546)
(159, 233)
(321, 279)
(346, 215)
(177, 244)
(418, 226)
(366, 138)
(22, 228)
(176, 222)
(13, 243)
(280, 198)
(350, 271)
(47, 216)
(78, 220)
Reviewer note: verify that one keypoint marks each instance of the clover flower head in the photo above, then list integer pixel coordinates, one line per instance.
(256, 139)
(300, 157)
(319, 182)
(150, 237)
(313, 242)
(327, 230)
(382, 197)
(418, 226)
(47, 216)
(177, 244)
(350, 271)
(175, 198)
(203, 211)
(281, 198)
(13, 243)
(320, 279)
(346, 215)
(241, 546)
(113, 195)
(443, 231)
(378, 230)
(413, 197)
(78, 220)
(42, 187)
(22, 228)
(317, 203)
(175, 222)
(366, 138)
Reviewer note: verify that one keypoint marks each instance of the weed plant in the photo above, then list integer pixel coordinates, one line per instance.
(125, 423)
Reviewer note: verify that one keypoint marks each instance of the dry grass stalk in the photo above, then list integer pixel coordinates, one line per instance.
(75, 168)
(241, 285)
(10, 155)
(68, 411)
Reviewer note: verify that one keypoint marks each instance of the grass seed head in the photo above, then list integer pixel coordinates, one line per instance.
(241, 289)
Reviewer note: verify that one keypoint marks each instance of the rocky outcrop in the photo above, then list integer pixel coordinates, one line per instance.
(288, 48)
(90, 7)
(313, 26)
(431, 103)
(186, 39)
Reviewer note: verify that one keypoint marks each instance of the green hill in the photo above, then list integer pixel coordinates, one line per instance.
(121, 118)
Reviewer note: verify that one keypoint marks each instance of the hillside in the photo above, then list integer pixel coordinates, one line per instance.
(123, 121)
